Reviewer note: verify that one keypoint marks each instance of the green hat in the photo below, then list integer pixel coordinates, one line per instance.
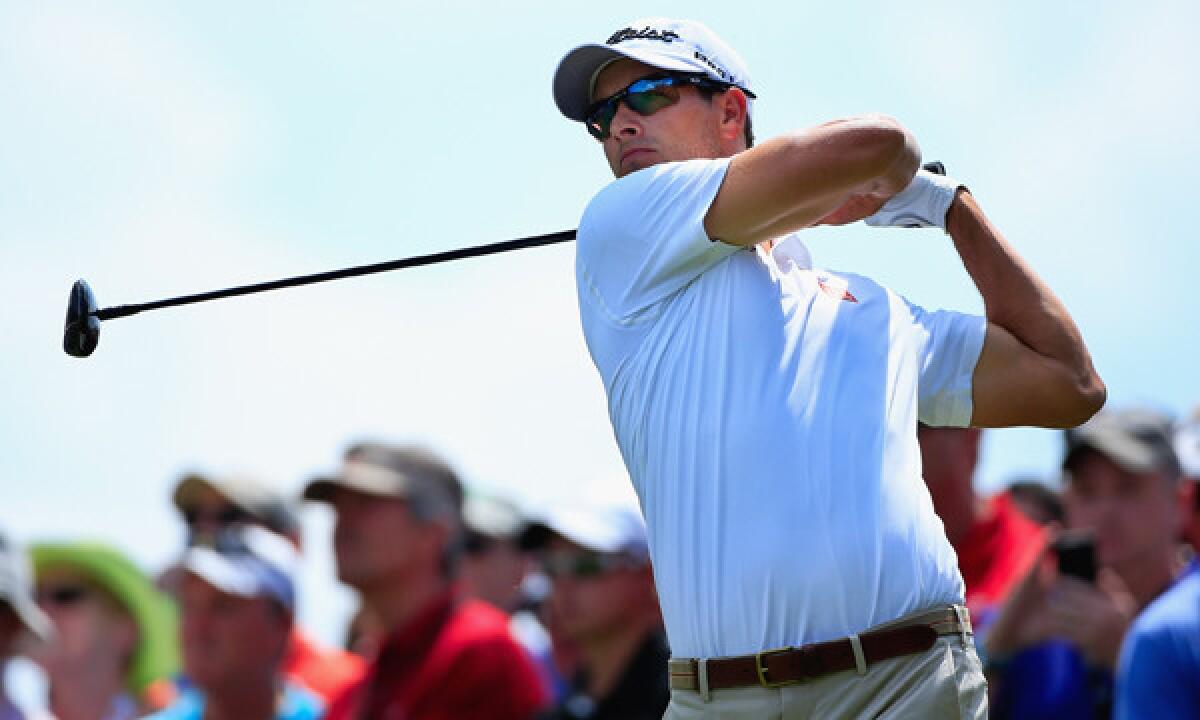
(156, 656)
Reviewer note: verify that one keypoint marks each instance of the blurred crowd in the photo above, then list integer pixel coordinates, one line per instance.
(1084, 591)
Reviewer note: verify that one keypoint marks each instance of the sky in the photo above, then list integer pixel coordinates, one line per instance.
(158, 149)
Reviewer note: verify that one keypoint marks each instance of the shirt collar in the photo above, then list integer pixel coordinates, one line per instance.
(790, 253)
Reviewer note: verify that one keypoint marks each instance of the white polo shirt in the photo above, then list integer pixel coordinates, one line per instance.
(767, 415)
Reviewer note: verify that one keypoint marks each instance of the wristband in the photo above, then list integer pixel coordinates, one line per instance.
(924, 203)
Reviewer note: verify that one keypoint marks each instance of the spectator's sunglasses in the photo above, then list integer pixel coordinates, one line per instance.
(646, 97)
(582, 565)
(61, 595)
(223, 517)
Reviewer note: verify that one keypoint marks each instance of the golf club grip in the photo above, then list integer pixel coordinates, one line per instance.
(119, 311)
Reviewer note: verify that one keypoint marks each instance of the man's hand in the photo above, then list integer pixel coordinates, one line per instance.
(1093, 617)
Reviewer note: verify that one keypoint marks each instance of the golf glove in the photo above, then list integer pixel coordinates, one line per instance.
(923, 203)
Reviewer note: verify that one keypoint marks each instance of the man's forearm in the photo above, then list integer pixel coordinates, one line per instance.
(1018, 301)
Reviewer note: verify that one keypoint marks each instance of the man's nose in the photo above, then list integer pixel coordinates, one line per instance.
(626, 123)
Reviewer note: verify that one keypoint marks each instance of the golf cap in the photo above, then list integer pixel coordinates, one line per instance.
(1137, 440)
(16, 590)
(492, 517)
(248, 562)
(156, 656)
(600, 529)
(262, 503)
(684, 46)
(411, 473)
(1187, 447)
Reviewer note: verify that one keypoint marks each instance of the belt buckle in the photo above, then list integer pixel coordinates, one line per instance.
(761, 669)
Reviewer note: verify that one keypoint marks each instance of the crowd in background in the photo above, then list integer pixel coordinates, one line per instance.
(1084, 593)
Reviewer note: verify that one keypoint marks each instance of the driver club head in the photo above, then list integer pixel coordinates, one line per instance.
(81, 332)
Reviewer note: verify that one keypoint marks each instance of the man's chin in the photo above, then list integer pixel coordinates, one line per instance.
(641, 161)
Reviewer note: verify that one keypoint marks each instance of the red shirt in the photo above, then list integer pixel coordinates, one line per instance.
(456, 660)
(996, 553)
(324, 671)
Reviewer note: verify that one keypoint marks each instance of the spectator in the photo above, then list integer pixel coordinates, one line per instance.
(115, 647)
(1158, 675)
(1037, 502)
(1054, 647)
(396, 540)
(996, 544)
(209, 505)
(603, 602)
(20, 618)
(237, 600)
(496, 570)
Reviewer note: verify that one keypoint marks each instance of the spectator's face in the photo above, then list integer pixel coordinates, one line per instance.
(586, 604)
(208, 512)
(1135, 516)
(229, 640)
(91, 628)
(685, 130)
(492, 569)
(378, 541)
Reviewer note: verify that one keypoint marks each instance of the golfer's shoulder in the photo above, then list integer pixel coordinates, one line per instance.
(629, 203)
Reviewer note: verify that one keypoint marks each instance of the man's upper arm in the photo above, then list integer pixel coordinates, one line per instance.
(1013, 385)
(792, 181)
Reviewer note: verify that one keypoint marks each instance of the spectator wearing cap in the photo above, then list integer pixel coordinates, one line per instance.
(115, 646)
(495, 569)
(237, 600)
(210, 504)
(994, 541)
(21, 621)
(1053, 650)
(396, 541)
(602, 601)
(1158, 675)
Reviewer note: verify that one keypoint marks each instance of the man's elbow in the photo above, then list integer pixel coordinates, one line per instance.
(1083, 400)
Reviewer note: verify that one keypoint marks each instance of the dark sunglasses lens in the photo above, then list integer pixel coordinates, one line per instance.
(588, 566)
(599, 122)
(61, 596)
(648, 102)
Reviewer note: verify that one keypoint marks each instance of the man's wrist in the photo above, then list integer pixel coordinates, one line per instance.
(924, 203)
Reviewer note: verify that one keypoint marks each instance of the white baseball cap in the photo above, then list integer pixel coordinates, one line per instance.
(601, 529)
(1187, 447)
(248, 562)
(684, 46)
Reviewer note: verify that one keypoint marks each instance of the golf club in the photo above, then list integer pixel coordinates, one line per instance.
(81, 332)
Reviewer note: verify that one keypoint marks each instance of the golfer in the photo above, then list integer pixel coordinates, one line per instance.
(767, 409)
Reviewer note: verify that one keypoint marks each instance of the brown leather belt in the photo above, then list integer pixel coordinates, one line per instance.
(789, 665)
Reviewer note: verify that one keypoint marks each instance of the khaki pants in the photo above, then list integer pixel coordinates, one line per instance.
(945, 681)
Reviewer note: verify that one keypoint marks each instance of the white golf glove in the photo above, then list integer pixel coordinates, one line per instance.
(923, 203)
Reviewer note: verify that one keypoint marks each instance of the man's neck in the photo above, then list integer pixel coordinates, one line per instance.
(605, 658)
(85, 695)
(397, 603)
(247, 701)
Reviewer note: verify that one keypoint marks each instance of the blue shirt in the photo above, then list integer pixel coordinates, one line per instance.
(1158, 675)
(296, 704)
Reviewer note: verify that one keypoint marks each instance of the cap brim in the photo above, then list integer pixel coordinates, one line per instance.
(578, 68)
(1128, 452)
(220, 572)
(368, 479)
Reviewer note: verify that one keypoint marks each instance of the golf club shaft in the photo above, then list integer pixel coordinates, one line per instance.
(119, 311)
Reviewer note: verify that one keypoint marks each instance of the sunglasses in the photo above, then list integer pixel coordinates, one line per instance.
(645, 97)
(582, 565)
(223, 517)
(62, 595)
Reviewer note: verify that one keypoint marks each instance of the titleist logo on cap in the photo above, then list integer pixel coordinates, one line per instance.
(646, 33)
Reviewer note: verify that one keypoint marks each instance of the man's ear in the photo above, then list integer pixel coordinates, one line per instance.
(734, 107)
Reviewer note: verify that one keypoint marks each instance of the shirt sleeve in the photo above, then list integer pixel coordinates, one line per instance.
(948, 346)
(1150, 683)
(642, 237)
